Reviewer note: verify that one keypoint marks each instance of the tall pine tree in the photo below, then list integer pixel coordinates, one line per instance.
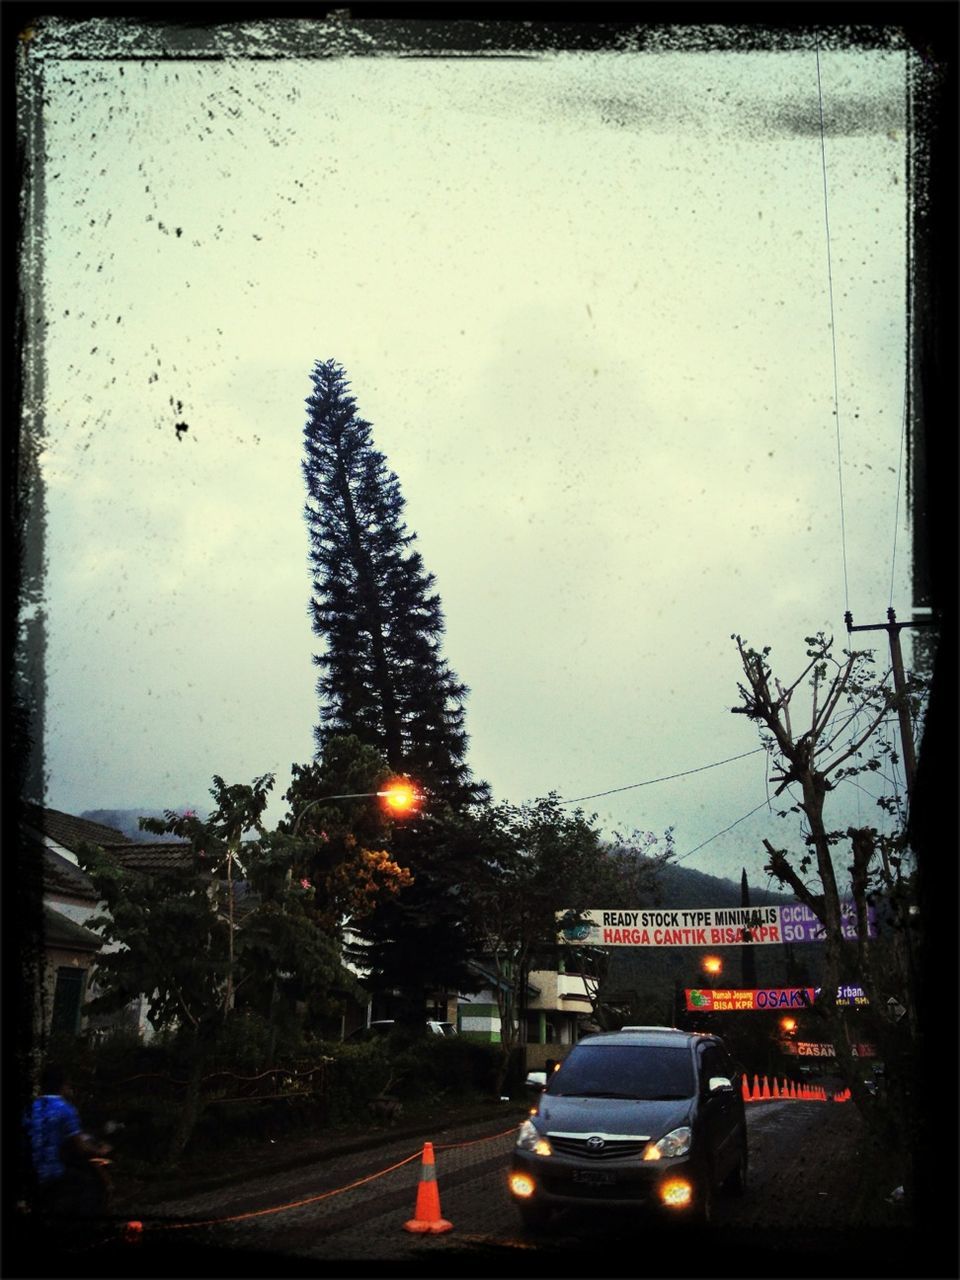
(382, 674)
(384, 680)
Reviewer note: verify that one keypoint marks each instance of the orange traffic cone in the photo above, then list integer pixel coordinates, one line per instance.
(744, 1088)
(427, 1213)
(756, 1090)
(776, 1088)
(765, 1092)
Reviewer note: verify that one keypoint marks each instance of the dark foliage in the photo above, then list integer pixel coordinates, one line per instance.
(382, 674)
(383, 679)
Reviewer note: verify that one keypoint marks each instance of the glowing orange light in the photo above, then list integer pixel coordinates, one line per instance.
(676, 1193)
(788, 1025)
(521, 1184)
(712, 964)
(399, 796)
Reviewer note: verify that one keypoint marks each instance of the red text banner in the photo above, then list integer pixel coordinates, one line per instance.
(695, 926)
(717, 1000)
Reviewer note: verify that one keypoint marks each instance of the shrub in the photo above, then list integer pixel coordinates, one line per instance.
(357, 1073)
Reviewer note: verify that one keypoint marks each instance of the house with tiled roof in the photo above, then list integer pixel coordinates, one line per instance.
(65, 833)
(67, 978)
(154, 857)
(69, 901)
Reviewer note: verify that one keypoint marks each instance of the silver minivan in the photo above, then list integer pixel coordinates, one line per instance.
(651, 1118)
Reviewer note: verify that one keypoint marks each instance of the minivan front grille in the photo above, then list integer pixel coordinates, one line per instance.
(598, 1146)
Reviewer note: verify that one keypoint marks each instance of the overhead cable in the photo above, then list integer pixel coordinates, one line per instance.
(761, 805)
(896, 507)
(667, 778)
(833, 336)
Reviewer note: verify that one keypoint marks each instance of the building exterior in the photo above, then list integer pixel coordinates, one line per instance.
(69, 948)
(558, 1006)
(67, 969)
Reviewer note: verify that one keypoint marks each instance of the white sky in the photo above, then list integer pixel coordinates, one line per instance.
(583, 299)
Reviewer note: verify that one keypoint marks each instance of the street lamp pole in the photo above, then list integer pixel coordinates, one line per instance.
(399, 796)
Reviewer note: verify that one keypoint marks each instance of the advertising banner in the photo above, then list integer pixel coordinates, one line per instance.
(698, 926)
(717, 1000)
(799, 924)
(851, 997)
(810, 1049)
(710, 1000)
(673, 927)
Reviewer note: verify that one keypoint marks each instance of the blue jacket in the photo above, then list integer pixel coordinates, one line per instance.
(49, 1122)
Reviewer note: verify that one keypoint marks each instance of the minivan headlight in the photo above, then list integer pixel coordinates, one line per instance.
(674, 1143)
(529, 1138)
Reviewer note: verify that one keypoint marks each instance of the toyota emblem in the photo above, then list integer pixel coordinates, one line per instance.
(595, 1143)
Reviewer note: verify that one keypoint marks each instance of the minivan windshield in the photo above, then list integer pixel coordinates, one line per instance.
(661, 1072)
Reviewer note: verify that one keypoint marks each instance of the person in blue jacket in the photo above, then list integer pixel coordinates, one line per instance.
(64, 1180)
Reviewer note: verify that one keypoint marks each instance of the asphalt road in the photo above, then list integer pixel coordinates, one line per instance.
(805, 1214)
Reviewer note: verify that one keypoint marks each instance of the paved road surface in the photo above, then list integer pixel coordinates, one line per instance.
(345, 1216)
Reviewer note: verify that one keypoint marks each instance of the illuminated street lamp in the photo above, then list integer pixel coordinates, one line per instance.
(712, 966)
(399, 797)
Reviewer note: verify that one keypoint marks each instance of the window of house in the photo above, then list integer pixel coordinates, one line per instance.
(67, 999)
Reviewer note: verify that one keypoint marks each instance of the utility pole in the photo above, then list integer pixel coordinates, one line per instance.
(893, 629)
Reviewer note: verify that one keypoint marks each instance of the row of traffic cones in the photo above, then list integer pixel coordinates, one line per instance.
(789, 1090)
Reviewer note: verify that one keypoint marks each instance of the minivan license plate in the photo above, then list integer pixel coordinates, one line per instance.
(594, 1177)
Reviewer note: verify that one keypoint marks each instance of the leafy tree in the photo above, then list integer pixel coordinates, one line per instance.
(628, 876)
(227, 925)
(539, 860)
(383, 680)
(417, 944)
(840, 740)
(341, 838)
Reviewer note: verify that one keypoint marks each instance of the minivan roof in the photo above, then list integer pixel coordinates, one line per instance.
(648, 1035)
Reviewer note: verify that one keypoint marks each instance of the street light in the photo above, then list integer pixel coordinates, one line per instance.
(712, 966)
(400, 797)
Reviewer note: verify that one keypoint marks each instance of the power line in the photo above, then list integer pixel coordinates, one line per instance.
(896, 508)
(761, 805)
(668, 777)
(833, 336)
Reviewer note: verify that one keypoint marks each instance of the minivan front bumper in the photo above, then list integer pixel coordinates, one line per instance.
(560, 1182)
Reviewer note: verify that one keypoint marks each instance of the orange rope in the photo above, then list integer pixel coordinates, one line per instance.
(324, 1195)
(293, 1204)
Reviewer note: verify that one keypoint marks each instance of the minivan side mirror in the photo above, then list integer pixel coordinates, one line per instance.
(536, 1081)
(720, 1084)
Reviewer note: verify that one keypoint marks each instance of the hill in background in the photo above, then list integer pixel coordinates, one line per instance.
(686, 887)
(127, 820)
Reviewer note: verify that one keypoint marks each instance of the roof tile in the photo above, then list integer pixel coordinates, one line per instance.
(69, 831)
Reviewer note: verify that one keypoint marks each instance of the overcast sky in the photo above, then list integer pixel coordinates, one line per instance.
(584, 301)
